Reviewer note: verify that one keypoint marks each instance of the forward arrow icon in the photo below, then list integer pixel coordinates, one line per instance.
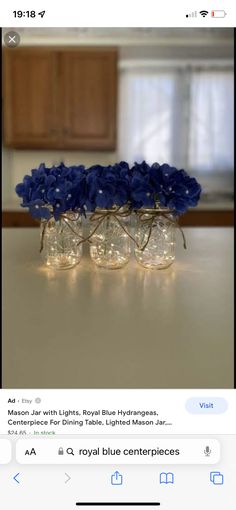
(68, 478)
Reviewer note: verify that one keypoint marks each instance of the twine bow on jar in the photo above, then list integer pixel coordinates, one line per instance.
(148, 216)
(100, 215)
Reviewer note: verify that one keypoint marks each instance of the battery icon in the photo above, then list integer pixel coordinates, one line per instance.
(218, 14)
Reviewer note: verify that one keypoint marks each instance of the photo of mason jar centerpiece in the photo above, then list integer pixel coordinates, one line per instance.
(108, 197)
(56, 197)
(159, 194)
(108, 202)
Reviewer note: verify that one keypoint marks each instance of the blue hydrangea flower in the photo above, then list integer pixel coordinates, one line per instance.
(53, 191)
(142, 189)
(175, 188)
(38, 210)
(108, 186)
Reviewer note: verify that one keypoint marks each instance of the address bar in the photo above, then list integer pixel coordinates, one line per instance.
(120, 451)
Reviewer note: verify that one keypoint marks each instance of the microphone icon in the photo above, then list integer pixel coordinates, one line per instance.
(207, 451)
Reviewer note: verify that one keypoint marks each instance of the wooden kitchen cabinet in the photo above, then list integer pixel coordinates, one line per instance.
(60, 98)
(89, 99)
(29, 98)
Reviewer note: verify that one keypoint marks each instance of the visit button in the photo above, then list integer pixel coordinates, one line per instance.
(215, 405)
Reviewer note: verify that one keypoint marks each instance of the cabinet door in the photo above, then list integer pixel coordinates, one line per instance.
(89, 98)
(30, 98)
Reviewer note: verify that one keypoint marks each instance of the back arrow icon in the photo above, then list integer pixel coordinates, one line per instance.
(15, 478)
(68, 478)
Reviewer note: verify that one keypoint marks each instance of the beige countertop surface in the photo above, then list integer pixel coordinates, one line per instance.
(129, 328)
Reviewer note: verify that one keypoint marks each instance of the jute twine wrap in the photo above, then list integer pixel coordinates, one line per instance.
(145, 216)
(148, 217)
(100, 215)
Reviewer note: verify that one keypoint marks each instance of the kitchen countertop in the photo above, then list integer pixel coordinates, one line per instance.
(130, 328)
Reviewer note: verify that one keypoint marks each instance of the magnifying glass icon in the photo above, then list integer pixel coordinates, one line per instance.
(70, 451)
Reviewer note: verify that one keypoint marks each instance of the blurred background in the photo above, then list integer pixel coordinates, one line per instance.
(96, 96)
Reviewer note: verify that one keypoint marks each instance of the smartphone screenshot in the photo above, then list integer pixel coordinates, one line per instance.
(117, 260)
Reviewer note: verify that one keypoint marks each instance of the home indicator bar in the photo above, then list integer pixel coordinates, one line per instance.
(119, 504)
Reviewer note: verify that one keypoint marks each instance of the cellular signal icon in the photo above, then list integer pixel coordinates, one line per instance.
(204, 13)
(192, 14)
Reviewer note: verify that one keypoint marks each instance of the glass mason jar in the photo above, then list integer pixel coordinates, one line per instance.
(156, 234)
(60, 241)
(110, 244)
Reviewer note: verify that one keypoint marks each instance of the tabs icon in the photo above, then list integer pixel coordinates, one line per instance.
(216, 478)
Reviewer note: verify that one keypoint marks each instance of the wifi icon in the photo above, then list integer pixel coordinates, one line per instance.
(204, 13)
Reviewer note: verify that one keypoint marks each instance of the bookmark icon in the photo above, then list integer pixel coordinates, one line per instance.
(167, 478)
